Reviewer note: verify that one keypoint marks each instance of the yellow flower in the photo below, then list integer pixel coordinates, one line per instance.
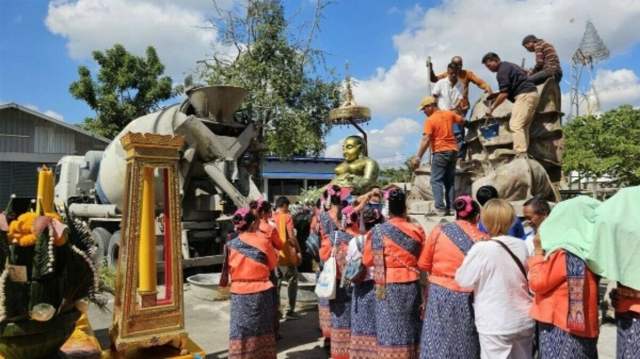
(21, 230)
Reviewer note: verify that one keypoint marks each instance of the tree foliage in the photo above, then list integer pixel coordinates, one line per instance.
(288, 100)
(605, 145)
(394, 175)
(127, 87)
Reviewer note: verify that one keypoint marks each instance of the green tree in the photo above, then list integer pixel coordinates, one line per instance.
(394, 175)
(288, 101)
(605, 145)
(127, 87)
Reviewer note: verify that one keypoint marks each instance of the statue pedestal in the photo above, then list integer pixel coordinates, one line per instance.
(159, 352)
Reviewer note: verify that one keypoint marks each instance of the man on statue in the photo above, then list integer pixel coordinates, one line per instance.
(438, 133)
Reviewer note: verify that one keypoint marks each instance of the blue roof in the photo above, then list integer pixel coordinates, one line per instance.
(304, 159)
(298, 175)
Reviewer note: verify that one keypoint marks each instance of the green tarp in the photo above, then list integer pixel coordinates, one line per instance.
(605, 234)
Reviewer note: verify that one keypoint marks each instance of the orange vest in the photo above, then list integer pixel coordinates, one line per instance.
(248, 275)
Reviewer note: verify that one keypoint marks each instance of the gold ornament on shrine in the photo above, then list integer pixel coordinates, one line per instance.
(144, 316)
(349, 112)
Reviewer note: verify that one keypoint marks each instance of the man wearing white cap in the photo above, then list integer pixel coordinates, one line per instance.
(438, 134)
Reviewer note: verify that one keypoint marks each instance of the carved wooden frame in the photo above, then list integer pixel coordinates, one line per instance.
(135, 326)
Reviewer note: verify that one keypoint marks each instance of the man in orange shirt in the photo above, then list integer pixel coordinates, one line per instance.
(438, 133)
(287, 261)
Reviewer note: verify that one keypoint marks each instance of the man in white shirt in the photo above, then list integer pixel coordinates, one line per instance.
(448, 91)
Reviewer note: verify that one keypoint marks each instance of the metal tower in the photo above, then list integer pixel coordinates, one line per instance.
(591, 51)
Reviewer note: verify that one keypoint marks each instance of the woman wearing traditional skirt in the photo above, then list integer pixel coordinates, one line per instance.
(363, 301)
(496, 271)
(626, 301)
(449, 330)
(262, 209)
(565, 304)
(392, 250)
(335, 241)
(250, 259)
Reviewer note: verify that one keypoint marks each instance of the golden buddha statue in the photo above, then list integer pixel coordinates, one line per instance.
(358, 171)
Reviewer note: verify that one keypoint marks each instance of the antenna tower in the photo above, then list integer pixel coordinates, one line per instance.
(591, 51)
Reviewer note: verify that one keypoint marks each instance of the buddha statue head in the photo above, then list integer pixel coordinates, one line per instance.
(353, 148)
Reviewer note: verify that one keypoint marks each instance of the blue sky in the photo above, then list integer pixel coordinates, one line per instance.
(386, 43)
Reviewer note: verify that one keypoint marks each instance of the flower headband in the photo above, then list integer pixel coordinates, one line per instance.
(347, 213)
(468, 208)
(343, 193)
(242, 221)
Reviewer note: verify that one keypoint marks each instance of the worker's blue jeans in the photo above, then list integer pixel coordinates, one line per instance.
(443, 177)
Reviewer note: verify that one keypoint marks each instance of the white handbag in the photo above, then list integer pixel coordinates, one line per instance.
(326, 284)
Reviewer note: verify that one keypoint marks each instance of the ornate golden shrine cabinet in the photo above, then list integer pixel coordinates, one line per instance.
(143, 316)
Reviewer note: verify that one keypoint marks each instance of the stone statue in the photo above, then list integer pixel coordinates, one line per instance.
(357, 171)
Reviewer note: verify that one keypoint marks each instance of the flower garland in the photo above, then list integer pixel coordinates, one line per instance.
(3, 279)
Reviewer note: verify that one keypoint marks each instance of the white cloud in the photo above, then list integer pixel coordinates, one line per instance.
(54, 114)
(613, 88)
(389, 144)
(49, 113)
(175, 29)
(471, 28)
(617, 87)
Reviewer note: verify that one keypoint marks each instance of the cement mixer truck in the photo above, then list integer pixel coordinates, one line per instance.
(213, 178)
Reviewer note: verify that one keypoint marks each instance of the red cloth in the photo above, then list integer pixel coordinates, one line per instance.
(548, 281)
(626, 304)
(396, 259)
(441, 257)
(247, 275)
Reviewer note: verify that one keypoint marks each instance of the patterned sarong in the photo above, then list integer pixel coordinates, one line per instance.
(576, 271)
(251, 333)
(398, 237)
(363, 322)
(449, 330)
(628, 344)
(398, 321)
(340, 323)
(555, 343)
(324, 316)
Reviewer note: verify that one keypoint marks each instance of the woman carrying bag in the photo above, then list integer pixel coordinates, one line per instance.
(495, 270)
(333, 251)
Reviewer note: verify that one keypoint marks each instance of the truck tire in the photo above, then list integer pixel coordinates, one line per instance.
(101, 236)
(113, 250)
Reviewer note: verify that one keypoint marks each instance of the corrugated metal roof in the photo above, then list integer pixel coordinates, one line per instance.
(53, 120)
(305, 159)
(298, 175)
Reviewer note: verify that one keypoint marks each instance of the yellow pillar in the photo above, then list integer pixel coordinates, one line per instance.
(44, 197)
(147, 251)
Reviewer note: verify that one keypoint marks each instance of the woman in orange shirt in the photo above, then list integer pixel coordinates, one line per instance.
(250, 259)
(567, 319)
(262, 209)
(449, 329)
(335, 241)
(363, 302)
(392, 250)
(328, 217)
(626, 301)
